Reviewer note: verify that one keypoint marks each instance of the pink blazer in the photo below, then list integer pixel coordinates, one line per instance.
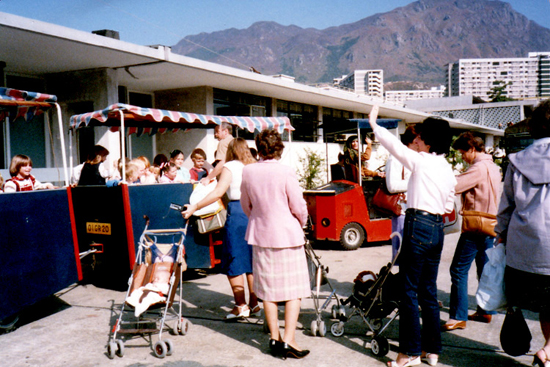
(272, 199)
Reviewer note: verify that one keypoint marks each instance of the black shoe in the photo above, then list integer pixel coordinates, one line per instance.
(275, 347)
(289, 351)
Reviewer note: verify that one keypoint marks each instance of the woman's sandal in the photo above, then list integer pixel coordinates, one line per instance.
(238, 312)
(537, 361)
(430, 358)
(412, 361)
(255, 311)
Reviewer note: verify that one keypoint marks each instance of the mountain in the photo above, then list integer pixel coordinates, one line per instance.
(413, 43)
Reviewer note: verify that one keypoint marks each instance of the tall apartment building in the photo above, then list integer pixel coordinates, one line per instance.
(398, 96)
(529, 76)
(368, 82)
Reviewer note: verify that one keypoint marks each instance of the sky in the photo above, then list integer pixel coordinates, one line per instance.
(165, 22)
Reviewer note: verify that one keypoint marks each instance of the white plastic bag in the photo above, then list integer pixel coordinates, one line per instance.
(199, 192)
(490, 292)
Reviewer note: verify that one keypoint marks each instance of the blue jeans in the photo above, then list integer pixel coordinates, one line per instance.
(397, 224)
(469, 247)
(419, 264)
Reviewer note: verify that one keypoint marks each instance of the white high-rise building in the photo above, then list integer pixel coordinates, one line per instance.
(368, 82)
(529, 76)
(408, 95)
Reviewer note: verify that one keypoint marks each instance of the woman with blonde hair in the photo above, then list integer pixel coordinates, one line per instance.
(236, 258)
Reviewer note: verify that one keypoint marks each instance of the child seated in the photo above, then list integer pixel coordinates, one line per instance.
(197, 172)
(21, 178)
(157, 289)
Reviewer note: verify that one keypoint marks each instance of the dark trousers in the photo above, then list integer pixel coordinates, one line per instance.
(420, 257)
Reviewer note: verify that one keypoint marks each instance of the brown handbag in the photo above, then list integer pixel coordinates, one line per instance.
(480, 222)
(386, 201)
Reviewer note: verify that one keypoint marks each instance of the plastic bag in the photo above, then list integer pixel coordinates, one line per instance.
(490, 292)
(200, 191)
(515, 336)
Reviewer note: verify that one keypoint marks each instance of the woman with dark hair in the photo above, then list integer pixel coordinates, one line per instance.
(523, 217)
(397, 179)
(430, 194)
(236, 259)
(351, 159)
(90, 174)
(273, 201)
(479, 187)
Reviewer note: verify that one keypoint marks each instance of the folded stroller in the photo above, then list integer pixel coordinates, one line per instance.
(148, 305)
(374, 298)
(318, 277)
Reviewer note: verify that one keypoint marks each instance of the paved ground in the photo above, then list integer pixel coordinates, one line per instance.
(73, 327)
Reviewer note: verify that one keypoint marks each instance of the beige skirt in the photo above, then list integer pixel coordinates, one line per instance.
(280, 274)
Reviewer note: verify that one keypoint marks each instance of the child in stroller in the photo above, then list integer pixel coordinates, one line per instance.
(374, 298)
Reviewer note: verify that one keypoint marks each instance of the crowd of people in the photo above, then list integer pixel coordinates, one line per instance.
(263, 242)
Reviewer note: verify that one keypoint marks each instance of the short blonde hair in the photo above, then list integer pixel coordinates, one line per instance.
(131, 170)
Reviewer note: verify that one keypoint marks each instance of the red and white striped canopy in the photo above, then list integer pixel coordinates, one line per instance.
(150, 121)
(17, 104)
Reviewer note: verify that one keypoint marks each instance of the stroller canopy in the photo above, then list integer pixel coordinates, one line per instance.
(22, 104)
(151, 121)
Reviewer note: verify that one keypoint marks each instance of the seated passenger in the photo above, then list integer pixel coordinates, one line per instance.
(351, 159)
(338, 170)
(198, 156)
(169, 173)
(132, 175)
(21, 178)
(91, 171)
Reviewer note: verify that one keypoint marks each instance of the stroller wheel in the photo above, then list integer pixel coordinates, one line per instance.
(120, 348)
(379, 346)
(111, 350)
(337, 329)
(322, 329)
(182, 326)
(169, 347)
(334, 313)
(160, 349)
(314, 328)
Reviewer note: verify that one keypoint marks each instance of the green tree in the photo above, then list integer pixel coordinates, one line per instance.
(497, 93)
(309, 175)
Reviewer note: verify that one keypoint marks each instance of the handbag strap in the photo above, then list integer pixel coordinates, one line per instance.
(491, 184)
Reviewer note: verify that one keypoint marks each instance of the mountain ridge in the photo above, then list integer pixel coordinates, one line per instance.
(412, 43)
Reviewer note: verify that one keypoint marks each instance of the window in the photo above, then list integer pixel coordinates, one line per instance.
(302, 117)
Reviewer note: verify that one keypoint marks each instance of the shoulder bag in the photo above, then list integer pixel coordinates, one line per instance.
(386, 201)
(480, 222)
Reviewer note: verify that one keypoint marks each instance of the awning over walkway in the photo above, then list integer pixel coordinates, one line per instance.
(150, 121)
(16, 103)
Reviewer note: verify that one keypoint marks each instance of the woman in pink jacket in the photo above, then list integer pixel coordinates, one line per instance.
(273, 201)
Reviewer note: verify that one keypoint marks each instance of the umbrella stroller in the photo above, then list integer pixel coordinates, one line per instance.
(318, 277)
(374, 298)
(147, 307)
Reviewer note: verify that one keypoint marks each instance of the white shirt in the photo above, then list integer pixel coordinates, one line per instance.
(432, 183)
(236, 169)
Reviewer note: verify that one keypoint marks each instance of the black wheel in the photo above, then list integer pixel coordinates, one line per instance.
(120, 348)
(352, 236)
(334, 312)
(379, 346)
(160, 349)
(169, 347)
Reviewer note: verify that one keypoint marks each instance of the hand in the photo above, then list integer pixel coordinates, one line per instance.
(368, 140)
(382, 174)
(373, 116)
(205, 181)
(189, 210)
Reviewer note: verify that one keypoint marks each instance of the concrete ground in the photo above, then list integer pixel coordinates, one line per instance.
(73, 327)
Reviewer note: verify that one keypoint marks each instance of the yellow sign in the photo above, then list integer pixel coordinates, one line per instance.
(98, 228)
